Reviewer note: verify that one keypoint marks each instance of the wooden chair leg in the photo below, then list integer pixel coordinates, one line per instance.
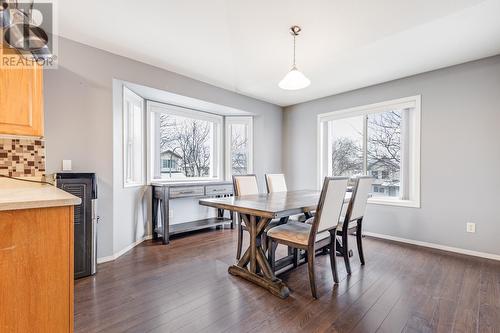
(345, 251)
(359, 242)
(310, 267)
(271, 253)
(240, 241)
(296, 257)
(333, 260)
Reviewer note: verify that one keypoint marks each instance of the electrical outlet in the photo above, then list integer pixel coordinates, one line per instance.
(66, 165)
(471, 227)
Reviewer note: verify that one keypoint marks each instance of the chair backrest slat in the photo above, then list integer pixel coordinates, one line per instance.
(360, 192)
(276, 182)
(330, 204)
(245, 185)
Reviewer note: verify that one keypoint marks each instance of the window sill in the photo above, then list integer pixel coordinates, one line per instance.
(129, 185)
(394, 202)
(186, 181)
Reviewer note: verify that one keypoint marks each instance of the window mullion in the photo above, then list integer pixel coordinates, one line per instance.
(365, 145)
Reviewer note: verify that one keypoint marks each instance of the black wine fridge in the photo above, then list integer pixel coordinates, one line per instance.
(84, 186)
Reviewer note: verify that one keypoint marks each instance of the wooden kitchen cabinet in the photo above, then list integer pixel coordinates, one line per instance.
(36, 270)
(21, 98)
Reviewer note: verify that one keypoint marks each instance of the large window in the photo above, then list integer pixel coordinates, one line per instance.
(381, 140)
(185, 144)
(239, 157)
(133, 139)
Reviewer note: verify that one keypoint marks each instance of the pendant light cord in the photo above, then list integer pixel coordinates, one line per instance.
(294, 30)
(294, 36)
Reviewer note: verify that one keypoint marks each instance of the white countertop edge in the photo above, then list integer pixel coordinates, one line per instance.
(16, 195)
(39, 204)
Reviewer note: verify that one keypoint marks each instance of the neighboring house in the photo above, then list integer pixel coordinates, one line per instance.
(386, 181)
(170, 162)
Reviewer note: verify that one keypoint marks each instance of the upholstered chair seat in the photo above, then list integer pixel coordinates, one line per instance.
(295, 232)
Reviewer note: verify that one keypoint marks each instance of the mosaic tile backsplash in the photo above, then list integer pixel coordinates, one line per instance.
(22, 157)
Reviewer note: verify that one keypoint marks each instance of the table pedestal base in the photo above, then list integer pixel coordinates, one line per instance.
(253, 265)
(276, 287)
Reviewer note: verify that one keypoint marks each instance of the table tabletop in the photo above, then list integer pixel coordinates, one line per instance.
(270, 205)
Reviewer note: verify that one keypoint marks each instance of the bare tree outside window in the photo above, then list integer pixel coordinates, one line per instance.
(346, 137)
(239, 149)
(346, 157)
(187, 143)
(383, 149)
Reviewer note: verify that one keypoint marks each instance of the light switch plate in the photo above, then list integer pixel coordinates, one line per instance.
(471, 227)
(66, 165)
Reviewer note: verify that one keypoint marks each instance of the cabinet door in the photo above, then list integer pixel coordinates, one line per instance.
(36, 270)
(21, 99)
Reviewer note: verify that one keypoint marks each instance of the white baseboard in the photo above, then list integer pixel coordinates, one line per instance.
(123, 251)
(435, 246)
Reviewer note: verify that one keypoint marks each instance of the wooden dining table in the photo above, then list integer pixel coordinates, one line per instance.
(257, 211)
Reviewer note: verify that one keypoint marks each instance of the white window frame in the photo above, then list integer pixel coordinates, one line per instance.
(413, 181)
(157, 107)
(237, 120)
(130, 97)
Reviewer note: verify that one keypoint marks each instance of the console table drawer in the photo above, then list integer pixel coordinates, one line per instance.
(219, 189)
(189, 191)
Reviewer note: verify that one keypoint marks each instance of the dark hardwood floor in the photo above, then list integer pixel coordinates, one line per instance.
(185, 287)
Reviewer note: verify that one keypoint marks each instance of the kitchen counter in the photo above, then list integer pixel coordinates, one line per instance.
(15, 194)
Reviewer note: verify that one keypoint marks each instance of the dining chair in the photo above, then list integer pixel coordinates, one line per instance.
(275, 182)
(247, 185)
(320, 232)
(353, 218)
(243, 185)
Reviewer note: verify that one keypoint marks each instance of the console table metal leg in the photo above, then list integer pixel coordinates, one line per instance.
(165, 218)
(154, 222)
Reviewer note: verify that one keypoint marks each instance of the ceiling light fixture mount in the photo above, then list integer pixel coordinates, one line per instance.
(294, 79)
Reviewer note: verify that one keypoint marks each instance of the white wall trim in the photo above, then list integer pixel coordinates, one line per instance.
(435, 246)
(122, 251)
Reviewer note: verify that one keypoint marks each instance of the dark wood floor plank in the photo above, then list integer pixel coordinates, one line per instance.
(466, 315)
(489, 299)
(185, 287)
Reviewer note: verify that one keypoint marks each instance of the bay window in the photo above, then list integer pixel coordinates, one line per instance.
(190, 145)
(185, 144)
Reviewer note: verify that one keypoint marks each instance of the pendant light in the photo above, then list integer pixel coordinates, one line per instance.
(294, 79)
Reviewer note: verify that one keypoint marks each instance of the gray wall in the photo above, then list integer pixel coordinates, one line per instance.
(80, 125)
(460, 154)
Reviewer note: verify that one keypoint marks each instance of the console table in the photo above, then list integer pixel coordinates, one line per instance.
(164, 192)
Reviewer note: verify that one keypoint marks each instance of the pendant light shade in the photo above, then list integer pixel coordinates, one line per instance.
(294, 79)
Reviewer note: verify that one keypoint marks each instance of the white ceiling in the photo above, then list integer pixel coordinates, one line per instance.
(245, 46)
